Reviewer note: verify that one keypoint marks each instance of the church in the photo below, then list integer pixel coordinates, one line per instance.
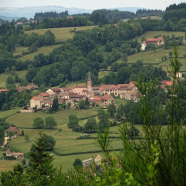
(85, 90)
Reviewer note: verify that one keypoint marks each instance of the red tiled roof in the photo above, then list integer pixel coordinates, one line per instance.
(17, 154)
(132, 82)
(165, 82)
(80, 86)
(12, 128)
(97, 98)
(106, 97)
(144, 42)
(84, 91)
(152, 39)
(160, 38)
(35, 98)
(56, 90)
(45, 94)
(3, 90)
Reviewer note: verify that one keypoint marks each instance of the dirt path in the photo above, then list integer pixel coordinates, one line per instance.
(5, 142)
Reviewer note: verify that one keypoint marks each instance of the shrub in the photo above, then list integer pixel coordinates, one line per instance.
(50, 122)
(38, 123)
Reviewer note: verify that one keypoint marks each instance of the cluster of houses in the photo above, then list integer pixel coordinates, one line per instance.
(18, 155)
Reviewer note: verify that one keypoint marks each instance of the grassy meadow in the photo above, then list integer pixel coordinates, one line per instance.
(45, 50)
(61, 34)
(66, 141)
(4, 76)
(8, 113)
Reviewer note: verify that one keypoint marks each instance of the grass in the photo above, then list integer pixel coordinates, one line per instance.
(151, 57)
(19, 50)
(119, 101)
(4, 76)
(61, 34)
(7, 113)
(151, 34)
(103, 73)
(152, 17)
(45, 50)
(26, 120)
(7, 165)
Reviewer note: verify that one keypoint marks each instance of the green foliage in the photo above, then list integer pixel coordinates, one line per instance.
(55, 105)
(81, 104)
(38, 123)
(10, 83)
(10, 133)
(26, 137)
(50, 122)
(73, 121)
(111, 110)
(51, 141)
(68, 105)
(77, 164)
(2, 135)
(90, 125)
(103, 120)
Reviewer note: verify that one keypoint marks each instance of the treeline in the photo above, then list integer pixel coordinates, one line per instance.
(175, 12)
(149, 12)
(41, 16)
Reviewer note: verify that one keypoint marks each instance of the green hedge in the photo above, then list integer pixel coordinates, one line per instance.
(79, 138)
(88, 117)
(10, 158)
(87, 152)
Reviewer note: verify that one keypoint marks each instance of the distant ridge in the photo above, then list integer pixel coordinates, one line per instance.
(130, 9)
(5, 18)
(9, 13)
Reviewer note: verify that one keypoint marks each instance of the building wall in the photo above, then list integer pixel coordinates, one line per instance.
(79, 90)
(143, 46)
(34, 103)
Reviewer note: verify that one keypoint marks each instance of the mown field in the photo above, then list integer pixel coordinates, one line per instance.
(154, 57)
(4, 76)
(61, 34)
(7, 113)
(66, 141)
(152, 17)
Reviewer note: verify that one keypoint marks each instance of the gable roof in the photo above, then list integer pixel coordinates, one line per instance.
(15, 129)
(106, 97)
(97, 98)
(56, 90)
(45, 94)
(8, 151)
(152, 39)
(144, 42)
(35, 98)
(3, 90)
(166, 82)
(80, 87)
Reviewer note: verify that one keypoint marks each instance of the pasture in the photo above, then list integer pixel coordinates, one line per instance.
(4, 76)
(61, 34)
(45, 50)
(8, 113)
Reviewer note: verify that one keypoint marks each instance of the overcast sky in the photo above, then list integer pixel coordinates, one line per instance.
(91, 4)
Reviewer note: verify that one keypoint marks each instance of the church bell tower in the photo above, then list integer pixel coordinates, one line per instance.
(89, 82)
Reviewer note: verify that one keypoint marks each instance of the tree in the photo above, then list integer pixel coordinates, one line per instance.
(22, 133)
(51, 141)
(10, 83)
(93, 104)
(73, 121)
(90, 125)
(77, 163)
(170, 54)
(2, 135)
(111, 110)
(87, 102)
(38, 123)
(68, 105)
(153, 47)
(81, 104)
(38, 159)
(13, 70)
(50, 122)
(143, 38)
(5, 107)
(26, 137)
(55, 105)
(75, 73)
(120, 112)
(10, 133)
(125, 58)
(103, 120)
(7, 70)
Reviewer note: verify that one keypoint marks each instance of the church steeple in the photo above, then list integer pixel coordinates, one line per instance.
(89, 82)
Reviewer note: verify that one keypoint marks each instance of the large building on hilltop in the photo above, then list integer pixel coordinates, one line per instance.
(156, 41)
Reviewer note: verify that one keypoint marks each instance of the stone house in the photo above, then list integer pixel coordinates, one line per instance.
(107, 100)
(79, 89)
(51, 93)
(66, 89)
(44, 97)
(15, 130)
(131, 95)
(97, 100)
(35, 101)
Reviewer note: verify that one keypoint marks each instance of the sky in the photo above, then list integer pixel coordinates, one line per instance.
(91, 4)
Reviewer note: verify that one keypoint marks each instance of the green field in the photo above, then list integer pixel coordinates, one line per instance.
(151, 57)
(61, 34)
(4, 76)
(19, 50)
(45, 50)
(7, 113)
(152, 17)
(66, 141)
